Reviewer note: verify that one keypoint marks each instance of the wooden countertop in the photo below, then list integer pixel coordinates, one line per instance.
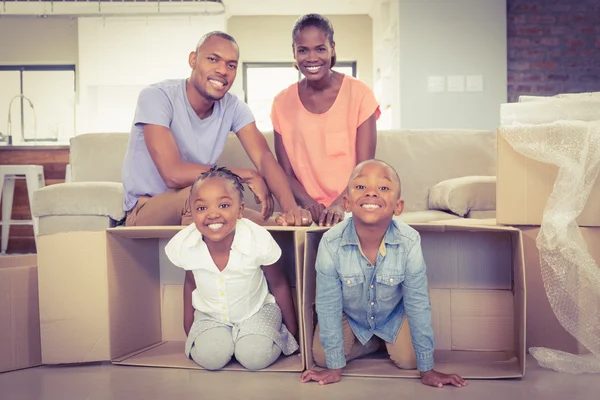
(35, 147)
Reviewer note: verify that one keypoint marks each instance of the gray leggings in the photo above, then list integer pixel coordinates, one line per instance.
(214, 348)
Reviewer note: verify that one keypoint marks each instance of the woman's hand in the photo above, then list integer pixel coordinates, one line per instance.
(315, 209)
(331, 215)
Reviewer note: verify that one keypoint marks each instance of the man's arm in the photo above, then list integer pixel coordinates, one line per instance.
(260, 154)
(164, 153)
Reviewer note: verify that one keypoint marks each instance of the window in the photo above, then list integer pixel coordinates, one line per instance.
(37, 103)
(262, 82)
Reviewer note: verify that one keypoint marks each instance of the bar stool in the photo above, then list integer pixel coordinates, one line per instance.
(34, 177)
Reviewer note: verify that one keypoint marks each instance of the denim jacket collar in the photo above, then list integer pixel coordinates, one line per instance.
(350, 237)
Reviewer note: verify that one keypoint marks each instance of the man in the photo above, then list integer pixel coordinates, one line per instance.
(179, 131)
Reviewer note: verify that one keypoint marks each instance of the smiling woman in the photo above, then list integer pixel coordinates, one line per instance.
(325, 124)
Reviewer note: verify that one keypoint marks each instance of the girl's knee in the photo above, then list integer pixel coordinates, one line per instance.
(210, 358)
(213, 349)
(256, 352)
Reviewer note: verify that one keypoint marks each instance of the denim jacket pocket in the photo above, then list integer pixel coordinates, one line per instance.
(388, 286)
(352, 285)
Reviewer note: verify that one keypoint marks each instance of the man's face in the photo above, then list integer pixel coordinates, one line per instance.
(214, 67)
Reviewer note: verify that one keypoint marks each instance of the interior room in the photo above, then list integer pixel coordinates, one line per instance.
(487, 110)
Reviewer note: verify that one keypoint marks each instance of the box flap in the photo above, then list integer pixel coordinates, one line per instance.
(167, 232)
(145, 232)
(171, 355)
(19, 317)
(18, 260)
(74, 314)
(461, 225)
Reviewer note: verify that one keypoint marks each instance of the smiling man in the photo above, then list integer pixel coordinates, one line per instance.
(179, 131)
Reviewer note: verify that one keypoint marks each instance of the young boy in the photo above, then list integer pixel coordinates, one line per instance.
(370, 276)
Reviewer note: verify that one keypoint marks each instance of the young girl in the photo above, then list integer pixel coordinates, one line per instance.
(324, 125)
(230, 265)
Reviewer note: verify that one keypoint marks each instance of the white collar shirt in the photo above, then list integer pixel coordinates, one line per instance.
(240, 290)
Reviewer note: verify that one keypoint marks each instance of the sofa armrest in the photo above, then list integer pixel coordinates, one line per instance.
(463, 195)
(79, 198)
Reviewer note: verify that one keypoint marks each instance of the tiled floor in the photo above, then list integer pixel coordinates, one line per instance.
(109, 382)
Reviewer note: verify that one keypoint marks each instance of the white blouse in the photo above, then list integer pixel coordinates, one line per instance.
(240, 290)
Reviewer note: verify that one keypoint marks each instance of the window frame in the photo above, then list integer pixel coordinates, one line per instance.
(247, 65)
(30, 67)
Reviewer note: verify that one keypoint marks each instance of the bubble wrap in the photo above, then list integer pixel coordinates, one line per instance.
(543, 131)
(580, 96)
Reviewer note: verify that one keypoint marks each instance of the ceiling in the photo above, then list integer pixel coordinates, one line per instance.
(297, 7)
(233, 7)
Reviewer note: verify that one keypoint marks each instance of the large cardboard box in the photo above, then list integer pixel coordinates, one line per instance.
(524, 185)
(477, 290)
(101, 298)
(19, 313)
(543, 328)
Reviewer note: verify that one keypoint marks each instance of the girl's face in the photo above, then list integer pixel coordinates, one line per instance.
(313, 52)
(216, 207)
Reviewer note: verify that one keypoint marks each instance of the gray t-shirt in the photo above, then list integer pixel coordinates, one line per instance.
(200, 141)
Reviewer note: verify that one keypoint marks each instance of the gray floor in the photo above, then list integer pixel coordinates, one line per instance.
(109, 382)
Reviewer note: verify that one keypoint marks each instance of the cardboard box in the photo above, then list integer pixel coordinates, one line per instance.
(543, 328)
(102, 299)
(477, 291)
(524, 185)
(19, 313)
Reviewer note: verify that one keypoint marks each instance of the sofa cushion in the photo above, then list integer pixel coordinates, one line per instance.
(98, 157)
(51, 224)
(425, 157)
(80, 198)
(421, 157)
(463, 195)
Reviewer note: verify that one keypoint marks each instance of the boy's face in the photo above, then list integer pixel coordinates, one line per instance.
(216, 207)
(373, 194)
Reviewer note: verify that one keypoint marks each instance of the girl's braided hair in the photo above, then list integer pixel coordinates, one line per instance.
(221, 172)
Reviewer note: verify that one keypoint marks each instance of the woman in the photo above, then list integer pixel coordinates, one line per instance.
(324, 125)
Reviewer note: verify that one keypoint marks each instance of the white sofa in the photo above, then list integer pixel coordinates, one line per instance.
(445, 174)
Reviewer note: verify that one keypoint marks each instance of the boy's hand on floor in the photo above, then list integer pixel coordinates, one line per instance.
(437, 379)
(323, 377)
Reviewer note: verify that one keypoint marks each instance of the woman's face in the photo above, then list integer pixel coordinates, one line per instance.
(313, 52)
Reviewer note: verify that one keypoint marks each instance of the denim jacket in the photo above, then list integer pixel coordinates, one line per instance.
(376, 298)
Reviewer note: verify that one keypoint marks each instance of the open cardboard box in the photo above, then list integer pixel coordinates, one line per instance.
(543, 328)
(101, 298)
(19, 312)
(524, 186)
(477, 290)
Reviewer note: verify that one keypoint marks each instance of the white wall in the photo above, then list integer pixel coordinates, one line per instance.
(452, 37)
(269, 39)
(386, 70)
(33, 40)
(120, 56)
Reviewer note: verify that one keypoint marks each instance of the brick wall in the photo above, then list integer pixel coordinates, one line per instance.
(553, 47)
